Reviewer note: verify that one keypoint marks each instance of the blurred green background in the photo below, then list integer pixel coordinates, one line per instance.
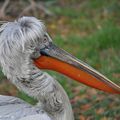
(88, 29)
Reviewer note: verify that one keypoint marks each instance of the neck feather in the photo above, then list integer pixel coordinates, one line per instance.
(44, 88)
(50, 94)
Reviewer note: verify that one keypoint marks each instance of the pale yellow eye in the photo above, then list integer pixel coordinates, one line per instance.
(45, 39)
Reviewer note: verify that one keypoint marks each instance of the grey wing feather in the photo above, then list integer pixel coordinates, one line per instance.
(12, 108)
(37, 117)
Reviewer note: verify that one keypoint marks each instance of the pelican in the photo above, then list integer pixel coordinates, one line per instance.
(26, 50)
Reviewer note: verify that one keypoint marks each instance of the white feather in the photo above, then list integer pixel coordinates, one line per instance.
(19, 42)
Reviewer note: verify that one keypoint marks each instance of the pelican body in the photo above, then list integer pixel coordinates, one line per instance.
(26, 50)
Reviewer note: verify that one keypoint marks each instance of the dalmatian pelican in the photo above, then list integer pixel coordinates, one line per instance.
(26, 50)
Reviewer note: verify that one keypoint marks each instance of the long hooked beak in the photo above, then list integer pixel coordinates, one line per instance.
(56, 59)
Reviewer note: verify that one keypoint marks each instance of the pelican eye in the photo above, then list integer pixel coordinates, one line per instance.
(45, 39)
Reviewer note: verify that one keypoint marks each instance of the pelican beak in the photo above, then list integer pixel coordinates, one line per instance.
(56, 59)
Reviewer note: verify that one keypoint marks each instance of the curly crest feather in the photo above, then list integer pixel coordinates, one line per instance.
(18, 41)
(18, 33)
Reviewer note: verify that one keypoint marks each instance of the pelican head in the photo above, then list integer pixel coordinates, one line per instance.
(26, 49)
(20, 44)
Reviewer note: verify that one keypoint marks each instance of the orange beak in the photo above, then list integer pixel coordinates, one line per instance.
(56, 59)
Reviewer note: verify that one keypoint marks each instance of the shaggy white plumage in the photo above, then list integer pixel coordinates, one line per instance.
(20, 42)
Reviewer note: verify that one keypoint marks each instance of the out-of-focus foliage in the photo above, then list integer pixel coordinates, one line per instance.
(88, 29)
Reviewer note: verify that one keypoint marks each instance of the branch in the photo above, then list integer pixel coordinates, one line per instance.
(33, 7)
(2, 10)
